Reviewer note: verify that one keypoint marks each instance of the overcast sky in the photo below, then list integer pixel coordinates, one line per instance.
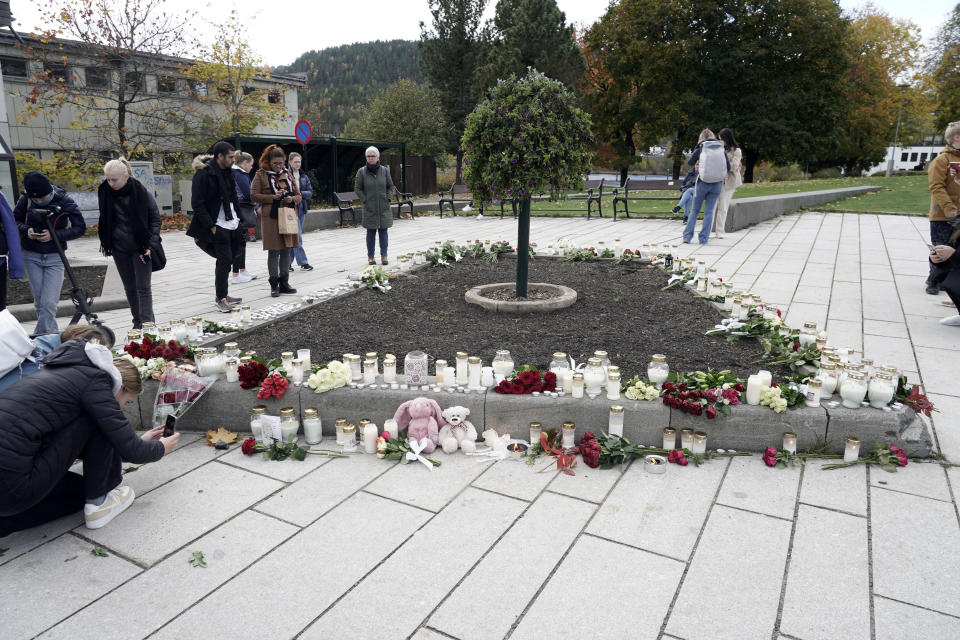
(275, 28)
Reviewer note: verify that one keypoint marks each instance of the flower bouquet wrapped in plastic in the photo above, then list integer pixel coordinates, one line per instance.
(178, 391)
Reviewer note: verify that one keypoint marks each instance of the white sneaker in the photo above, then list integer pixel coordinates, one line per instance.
(98, 515)
(951, 321)
(250, 276)
(719, 235)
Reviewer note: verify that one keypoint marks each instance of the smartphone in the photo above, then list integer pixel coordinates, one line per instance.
(171, 426)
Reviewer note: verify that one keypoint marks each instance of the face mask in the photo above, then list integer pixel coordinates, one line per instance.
(44, 202)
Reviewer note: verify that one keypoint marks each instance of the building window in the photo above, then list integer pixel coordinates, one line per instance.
(913, 157)
(13, 67)
(166, 85)
(225, 92)
(97, 78)
(275, 97)
(134, 80)
(248, 90)
(56, 72)
(904, 156)
(923, 157)
(200, 89)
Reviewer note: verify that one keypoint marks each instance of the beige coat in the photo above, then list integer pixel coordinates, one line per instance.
(734, 179)
(262, 192)
(944, 190)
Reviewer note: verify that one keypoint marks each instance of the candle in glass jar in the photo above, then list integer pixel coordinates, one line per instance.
(790, 442)
(699, 442)
(312, 428)
(615, 421)
(754, 384)
(502, 364)
(474, 367)
(296, 370)
(304, 357)
(686, 439)
(463, 371)
(389, 370)
(594, 377)
(766, 378)
(812, 395)
(370, 433)
(853, 390)
(669, 438)
(356, 368)
(286, 360)
(569, 435)
(255, 427)
(613, 386)
(289, 425)
(576, 387)
(369, 371)
(245, 315)
(439, 365)
(658, 370)
(535, 429)
(880, 390)
(567, 383)
(851, 452)
(236, 315)
(349, 437)
(449, 377)
(735, 308)
(340, 424)
(486, 377)
(232, 366)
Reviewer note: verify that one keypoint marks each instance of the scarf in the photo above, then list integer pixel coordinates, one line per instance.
(274, 177)
(137, 213)
(373, 169)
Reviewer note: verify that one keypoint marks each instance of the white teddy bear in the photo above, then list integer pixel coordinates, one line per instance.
(457, 431)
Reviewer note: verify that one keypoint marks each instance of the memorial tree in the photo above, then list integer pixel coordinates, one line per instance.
(527, 137)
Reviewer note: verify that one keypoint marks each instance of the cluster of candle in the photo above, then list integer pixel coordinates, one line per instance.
(347, 433)
(693, 441)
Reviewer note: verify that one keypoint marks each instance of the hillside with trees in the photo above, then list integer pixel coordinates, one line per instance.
(341, 80)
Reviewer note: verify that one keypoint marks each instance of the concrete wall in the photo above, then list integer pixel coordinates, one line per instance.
(744, 212)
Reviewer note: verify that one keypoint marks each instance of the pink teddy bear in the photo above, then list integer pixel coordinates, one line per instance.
(422, 417)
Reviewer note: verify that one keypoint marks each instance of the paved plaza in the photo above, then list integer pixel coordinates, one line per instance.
(365, 548)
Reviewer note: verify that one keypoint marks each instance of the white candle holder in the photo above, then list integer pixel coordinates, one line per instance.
(790, 442)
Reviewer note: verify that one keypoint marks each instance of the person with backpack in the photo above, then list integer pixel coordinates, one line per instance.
(689, 182)
(242, 165)
(375, 187)
(730, 183)
(712, 164)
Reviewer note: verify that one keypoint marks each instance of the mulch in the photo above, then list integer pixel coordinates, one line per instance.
(620, 309)
(90, 277)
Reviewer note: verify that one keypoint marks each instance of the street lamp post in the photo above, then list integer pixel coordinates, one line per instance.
(896, 135)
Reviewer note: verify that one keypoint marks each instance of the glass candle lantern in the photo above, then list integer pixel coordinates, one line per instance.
(389, 370)
(356, 368)
(851, 451)
(463, 368)
(369, 371)
(559, 364)
(312, 427)
(790, 442)
(289, 425)
(151, 328)
(576, 387)
(827, 375)
(735, 307)
(389, 428)
(593, 377)
(699, 442)
(613, 386)
(340, 424)
(701, 269)
(349, 437)
(236, 316)
(304, 356)
(194, 330)
(821, 343)
(881, 390)
(255, 428)
(486, 377)
(669, 438)
(615, 421)
(686, 439)
(134, 335)
(702, 284)
(853, 390)
(439, 366)
(502, 364)
(569, 435)
(474, 371)
(658, 370)
(812, 394)
(370, 433)
(744, 309)
(868, 368)
(766, 378)
(245, 315)
(754, 386)
(415, 368)
(232, 366)
(164, 332)
(199, 321)
(231, 350)
(372, 355)
(296, 370)
(286, 360)
(535, 429)
(450, 376)
(178, 330)
(603, 357)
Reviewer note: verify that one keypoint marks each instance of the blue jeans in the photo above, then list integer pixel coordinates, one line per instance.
(686, 201)
(298, 253)
(371, 241)
(704, 191)
(45, 275)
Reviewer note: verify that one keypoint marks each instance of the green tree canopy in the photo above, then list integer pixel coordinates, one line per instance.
(529, 34)
(405, 111)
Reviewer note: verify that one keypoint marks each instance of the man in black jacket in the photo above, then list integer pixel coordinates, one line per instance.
(68, 409)
(215, 204)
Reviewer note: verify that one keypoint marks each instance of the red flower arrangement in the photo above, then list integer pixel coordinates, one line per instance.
(590, 450)
(274, 385)
(678, 457)
(701, 401)
(527, 382)
(252, 374)
(150, 348)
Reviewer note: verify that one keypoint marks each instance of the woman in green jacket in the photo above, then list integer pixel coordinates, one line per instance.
(374, 187)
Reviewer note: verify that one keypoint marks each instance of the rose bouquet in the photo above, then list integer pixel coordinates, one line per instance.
(398, 448)
(150, 348)
(178, 391)
(888, 457)
(637, 389)
(252, 374)
(274, 385)
(150, 368)
(912, 397)
(282, 451)
(606, 451)
(527, 379)
(332, 375)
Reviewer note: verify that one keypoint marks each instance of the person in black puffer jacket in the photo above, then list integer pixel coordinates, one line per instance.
(67, 410)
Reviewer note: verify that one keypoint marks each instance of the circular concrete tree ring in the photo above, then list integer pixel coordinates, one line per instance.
(566, 298)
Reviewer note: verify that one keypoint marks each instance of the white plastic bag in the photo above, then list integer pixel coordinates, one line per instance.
(15, 344)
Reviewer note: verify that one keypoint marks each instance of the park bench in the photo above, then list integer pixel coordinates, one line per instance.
(458, 194)
(592, 192)
(623, 195)
(348, 202)
(400, 201)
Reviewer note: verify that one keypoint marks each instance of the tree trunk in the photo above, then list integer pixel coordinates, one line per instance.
(750, 160)
(459, 178)
(678, 154)
(523, 247)
(624, 170)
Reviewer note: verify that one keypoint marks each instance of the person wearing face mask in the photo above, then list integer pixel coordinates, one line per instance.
(129, 226)
(40, 257)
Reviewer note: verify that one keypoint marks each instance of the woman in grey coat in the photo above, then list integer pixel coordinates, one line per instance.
(374, 187)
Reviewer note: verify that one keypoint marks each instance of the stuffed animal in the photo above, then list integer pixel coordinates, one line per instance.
(458, 431)
(422, 418)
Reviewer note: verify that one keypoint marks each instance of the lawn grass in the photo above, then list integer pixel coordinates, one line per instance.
(899, 194)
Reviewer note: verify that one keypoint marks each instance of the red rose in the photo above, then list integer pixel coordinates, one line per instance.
(682, 461)
(669, 386)
(796, 345)
(681, 387)
(587, 437)
(711, 412)
(739, 387)
(770, 461)
(674, 455)
(894, 448)
(385, 435)
(249, 446)
(769, 452)
(902, 461)
(779, 315)
(590, 452)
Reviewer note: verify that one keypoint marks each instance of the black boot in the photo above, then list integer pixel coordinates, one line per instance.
(274, 287)
(285, 284)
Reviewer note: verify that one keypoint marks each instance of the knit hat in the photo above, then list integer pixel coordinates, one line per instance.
(37, 185)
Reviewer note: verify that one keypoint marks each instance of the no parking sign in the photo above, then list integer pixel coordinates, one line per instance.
(302, 131)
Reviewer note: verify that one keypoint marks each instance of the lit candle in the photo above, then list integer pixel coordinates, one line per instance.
(686, 439)
(754, 384)
(655, 464)
(669, 438)
(658, 370)
(289, 425)
(790, 442)
(812, 395)
(369, 371)
(463, 375)
(576, 388)
(569, 435)
(232, 366)
(474, 366)
(594, 377)
(851, 452)
(296, 370)
(390, 370)
(370, 433)
(615, 421)
(312, 428)
(286, 360)
(699, 442)
(535, 429)
(304, 356)
(613, 386)
(567, 383)
(440, 366)
(255, 427)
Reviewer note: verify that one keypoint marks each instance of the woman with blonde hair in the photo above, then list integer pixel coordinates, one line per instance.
(272, 186)
(69, 409)
(295, 162)
(129, 229)
(730, 183)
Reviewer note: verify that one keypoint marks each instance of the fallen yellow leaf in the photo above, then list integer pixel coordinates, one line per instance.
(221, 435)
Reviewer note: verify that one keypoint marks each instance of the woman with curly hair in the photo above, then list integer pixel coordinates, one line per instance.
(272, 186)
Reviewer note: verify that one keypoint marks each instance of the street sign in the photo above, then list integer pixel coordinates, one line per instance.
(302, 131)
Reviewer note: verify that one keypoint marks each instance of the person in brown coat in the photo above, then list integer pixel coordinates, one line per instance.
(944, 198)
(272, 186)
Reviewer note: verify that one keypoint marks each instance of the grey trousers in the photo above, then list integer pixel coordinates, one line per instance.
(278, 262)
(136, 285)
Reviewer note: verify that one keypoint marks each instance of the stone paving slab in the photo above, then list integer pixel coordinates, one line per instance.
(184, 459)
(899, 621)
(827, 543)
(284, 471)
(924, 479)
(588, 484)
(416, 485)
(749, 486)
(634, 587)
(515, 478)
(37, 591)
(174, 584)
(842, 489)
(21, 542)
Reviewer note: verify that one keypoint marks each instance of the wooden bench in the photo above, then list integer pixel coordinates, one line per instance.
(623, 195)
(458, 194)
(349, 202)
(401, 200)
(592, 193)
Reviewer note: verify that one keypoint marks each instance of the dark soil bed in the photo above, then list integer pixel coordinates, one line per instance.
(90, 277)
(510, 294)
(619, 309)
